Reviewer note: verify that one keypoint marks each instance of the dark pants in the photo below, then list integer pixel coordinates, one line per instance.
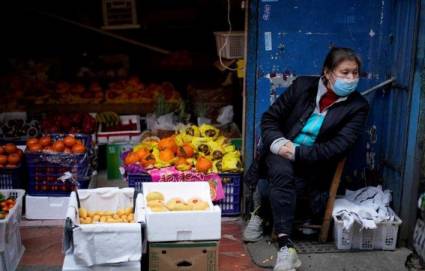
(285, 183)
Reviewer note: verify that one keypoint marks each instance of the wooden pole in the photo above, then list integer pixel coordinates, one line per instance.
(324, 229)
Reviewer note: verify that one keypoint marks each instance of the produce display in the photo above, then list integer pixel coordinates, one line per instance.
(69, 145)
(124, 215)
(156, 202)
(69, 123)
(5, 205)
(49, 157)
(10, 156)
(199, 148)
(111, 122)
(23, 90)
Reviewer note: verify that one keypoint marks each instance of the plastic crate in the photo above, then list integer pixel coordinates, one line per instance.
(231, 204)
(44, 169)
(230, 45)
(11, 178)
(384, 237)
(136, 180)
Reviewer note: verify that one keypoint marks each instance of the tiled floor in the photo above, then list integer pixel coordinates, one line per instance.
(43, 243)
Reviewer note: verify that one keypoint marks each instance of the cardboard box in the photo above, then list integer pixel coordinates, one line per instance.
(189, 256)
(182, 225)
(103, 243)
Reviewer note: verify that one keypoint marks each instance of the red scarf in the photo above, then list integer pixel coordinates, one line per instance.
(329, 98)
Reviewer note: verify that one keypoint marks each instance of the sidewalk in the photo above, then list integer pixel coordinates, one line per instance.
(43, 243)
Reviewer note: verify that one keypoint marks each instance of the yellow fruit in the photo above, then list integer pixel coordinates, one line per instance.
(83, 212)
(130, 218)
(124, 217)
(103, 219)
(88, 220)
(120, 212)
(129, 210)
(110, 220)
(90, 214)
(108, 213)
(115, 216)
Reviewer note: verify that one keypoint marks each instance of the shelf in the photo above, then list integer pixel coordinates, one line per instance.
(139, 109)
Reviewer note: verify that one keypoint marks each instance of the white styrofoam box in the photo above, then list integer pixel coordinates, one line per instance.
(45, 207)
(10, 224)
(384, 237)
(104, 243)
(133, 136)
(10, 257)
(182, 225)
(69, 264)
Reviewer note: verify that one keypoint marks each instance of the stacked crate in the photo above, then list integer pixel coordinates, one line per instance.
(48, 195)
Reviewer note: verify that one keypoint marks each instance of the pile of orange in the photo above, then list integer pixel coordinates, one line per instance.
(10, 156)
(69, 144)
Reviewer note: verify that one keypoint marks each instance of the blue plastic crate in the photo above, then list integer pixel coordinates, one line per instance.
(136, 180)
(231, 204)
(11, 178)
(44, 169)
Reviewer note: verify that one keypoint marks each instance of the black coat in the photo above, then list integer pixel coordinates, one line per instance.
(342, 125)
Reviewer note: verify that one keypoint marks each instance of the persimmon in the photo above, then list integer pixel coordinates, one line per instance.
(69, 141)
(203, 164)
(166, 155)
(45, 141)
(10, 148)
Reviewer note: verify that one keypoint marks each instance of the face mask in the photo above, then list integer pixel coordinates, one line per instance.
(344, 87)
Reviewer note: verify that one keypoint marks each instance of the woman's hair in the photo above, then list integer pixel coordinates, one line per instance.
(337, 55)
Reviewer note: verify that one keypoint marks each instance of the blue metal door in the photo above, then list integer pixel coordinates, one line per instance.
(290, 38)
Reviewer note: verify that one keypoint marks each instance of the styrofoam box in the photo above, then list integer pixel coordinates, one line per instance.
(69, 264)
(11, 223)
(10, 257)
(104, 243)
(133, 136)
(182, 225)
(45, 207)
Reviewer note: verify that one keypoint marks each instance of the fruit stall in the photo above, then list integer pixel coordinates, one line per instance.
(116, 130)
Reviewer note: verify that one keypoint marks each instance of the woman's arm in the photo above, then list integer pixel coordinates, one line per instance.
(273, 119)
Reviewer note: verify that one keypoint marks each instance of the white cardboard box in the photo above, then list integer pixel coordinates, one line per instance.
(10, 257)
(121, 136)
(69, 264)
(11, 248)
(103, 243)
(182, 225)
(11, 224)
(45, 207)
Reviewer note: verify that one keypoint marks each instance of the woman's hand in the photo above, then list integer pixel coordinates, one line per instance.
(288, 151)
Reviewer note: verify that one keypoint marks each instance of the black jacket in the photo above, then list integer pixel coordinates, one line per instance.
(342, 125)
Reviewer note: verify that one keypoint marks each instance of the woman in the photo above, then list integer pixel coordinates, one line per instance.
(305, 133)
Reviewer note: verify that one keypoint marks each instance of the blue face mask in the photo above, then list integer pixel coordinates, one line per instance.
(344, 87)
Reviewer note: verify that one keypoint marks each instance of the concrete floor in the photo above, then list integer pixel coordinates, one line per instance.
(43, 242)
(356, 261)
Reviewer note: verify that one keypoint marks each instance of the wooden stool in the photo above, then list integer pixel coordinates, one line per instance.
(336, 180)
